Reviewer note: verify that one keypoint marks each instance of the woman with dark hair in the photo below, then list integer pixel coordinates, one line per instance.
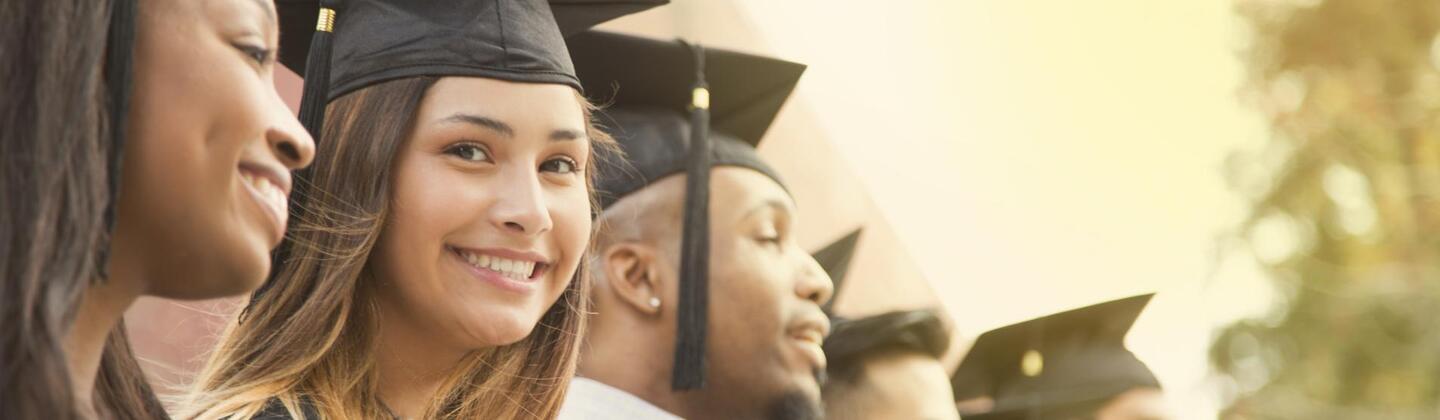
(144, 152)
(436, 267)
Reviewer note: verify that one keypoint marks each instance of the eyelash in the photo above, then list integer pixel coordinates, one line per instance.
(460, 150)
(261, 55)
(574, 167)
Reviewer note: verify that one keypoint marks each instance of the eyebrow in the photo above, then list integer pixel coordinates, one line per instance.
(566, 135)
(481, 121)
(770, 203)
(506, 130)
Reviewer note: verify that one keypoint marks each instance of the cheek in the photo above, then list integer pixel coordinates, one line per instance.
(744, 280)
(424, 206)
(191, 116)
(194, 111)
(570, 213)
(191, 85)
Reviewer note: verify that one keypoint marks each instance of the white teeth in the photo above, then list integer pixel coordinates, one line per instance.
(515, 269)
(270, 194)
(266, 188)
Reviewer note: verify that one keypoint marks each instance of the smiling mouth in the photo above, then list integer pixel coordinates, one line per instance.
(518, 270)
(810, 336)
(811, 342)
(270, 196)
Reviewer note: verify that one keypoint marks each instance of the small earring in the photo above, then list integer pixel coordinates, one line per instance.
(654, 302)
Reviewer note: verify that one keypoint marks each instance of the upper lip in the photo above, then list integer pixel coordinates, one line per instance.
(507, 253)
(278, 177)
(811, 329)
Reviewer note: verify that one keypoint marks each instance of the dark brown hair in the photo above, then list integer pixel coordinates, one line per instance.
(53, 176)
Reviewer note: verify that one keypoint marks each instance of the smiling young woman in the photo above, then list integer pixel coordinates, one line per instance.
(192, 213)
(436, 268)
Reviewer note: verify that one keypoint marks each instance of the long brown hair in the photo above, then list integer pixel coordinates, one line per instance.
(53, 177)
(310, 336)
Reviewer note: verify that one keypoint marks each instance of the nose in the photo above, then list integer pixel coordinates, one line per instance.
(814, 285)
(520, 204)
(287, 139)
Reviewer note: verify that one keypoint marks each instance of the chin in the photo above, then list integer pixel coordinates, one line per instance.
(497, 325)
(807, 386)
(229, 274)
(795, 405)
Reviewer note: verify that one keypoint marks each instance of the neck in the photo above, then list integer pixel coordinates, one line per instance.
(411, 367)
(100, 309)
(611, 356)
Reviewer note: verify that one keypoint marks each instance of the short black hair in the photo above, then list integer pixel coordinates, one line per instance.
(854, 341)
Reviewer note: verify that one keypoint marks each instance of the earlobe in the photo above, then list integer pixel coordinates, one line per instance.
(633, 277)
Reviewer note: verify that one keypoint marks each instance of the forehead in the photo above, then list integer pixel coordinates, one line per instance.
(737, 192)
(537, 106)
(217, 9)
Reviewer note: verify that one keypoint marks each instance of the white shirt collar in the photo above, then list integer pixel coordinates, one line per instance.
(588, 399)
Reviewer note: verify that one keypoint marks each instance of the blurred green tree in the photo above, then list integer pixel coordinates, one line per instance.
(1343, 218)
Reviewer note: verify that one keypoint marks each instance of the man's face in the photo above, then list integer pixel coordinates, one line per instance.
(899, 385)
(766, 325)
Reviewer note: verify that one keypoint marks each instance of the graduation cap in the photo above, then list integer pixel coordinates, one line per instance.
(1055, 365)
(680, 108)
(835, 259)
(340, 47)
(119, 64)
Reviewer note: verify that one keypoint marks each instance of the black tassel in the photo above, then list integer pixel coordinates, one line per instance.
(119, 58)
(317, 71)
(689, 369)
(313, 100)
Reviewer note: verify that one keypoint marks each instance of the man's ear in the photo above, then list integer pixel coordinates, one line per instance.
(635, 274)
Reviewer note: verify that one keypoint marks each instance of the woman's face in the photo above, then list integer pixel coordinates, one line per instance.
(490, 213)
(209, 150)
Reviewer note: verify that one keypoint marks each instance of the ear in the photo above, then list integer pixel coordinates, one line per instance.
(635, 274)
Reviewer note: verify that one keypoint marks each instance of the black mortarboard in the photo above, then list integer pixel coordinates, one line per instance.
(119, 64)
(1050, 366)
(729, 99)
(363, 42)
(835, 259)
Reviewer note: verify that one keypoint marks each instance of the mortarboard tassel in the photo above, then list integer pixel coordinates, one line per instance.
(689, 372)
(317, 71)
(313, 101)
(119, 56)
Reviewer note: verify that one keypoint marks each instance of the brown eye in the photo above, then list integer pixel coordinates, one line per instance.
(469, 152)
(260, 55)
(560, 165)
